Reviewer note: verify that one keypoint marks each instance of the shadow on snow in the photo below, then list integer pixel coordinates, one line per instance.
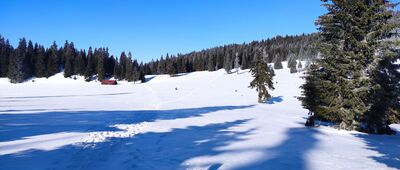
(386, 145)
(170, 150)
(58, 96)
(274, 100)
(167, 150)
(17, 126)
(292, 153)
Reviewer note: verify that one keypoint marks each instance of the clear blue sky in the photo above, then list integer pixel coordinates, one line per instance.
(151, 28)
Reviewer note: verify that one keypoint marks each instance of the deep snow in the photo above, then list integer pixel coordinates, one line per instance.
(212, 121)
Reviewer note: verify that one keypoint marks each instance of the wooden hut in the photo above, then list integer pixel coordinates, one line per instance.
(109, 82)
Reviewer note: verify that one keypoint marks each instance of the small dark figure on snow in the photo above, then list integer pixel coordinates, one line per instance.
(310, 120)
(176, 88)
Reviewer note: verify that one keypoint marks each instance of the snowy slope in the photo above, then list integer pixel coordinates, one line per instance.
(212, 121)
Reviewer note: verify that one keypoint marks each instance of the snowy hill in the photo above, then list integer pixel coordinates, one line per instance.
(201, 120)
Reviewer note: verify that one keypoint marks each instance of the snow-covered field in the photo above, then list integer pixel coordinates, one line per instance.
(201, 120)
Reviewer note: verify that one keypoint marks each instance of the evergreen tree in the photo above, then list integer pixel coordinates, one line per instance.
(299, 66)
(180, 65)
(90, 67)
(101, 67)
(211, 63)
(110, 66)
(136, 72)
(237, 65)
(69, 54)
(142, 77)
(29, 61)
(262, 78)
(227, 64)
(384, 96)
(292, 64)
(311, 94)
(278, 64)
(161, 67)
(352, 58)
(123, 59)
(79, 64)
(129, 68)
(171, 67)
(40, 61)
(52, 65)
(117, 69)
(16, 72)
(5, 53)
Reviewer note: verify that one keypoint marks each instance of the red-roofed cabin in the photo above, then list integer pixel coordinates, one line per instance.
(109, 82)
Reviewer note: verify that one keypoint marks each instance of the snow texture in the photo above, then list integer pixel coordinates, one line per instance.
(201, 120)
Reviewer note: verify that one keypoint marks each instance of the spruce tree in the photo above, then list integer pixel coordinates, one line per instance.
(292, 64)
(110, 66)
(16, 72)
(211, 63)
(90, 67)
(299, 66)
(40, 61)
(142, 77)
(263, 76)
(227, 64)
(161, 66)
(135, 68)
(79, 64)
(171, 67)
(129, 68)
(123, 63)
(237, 65)
(117, 69)
(180, 65)
(101, 67)
(5, 53)
(278, 64)
(69, 54)
(29, 60)
(52, 66)
(352, 58)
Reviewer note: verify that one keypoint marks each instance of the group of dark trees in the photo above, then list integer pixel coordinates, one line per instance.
(356, 83)
(33, 60)
(228, 57)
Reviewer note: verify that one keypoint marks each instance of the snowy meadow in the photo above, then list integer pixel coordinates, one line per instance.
(200, 120)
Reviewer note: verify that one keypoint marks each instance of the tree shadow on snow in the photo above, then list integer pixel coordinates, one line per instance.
(58, 96)
(274, 100)
(386, 145)
(161, 150)
(149, 78)
(17, 126)
(166, 150)
(292, 153)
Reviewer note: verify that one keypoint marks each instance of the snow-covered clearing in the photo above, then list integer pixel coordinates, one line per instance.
(212, 121)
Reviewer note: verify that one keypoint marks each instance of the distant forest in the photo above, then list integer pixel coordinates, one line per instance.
(33, 60)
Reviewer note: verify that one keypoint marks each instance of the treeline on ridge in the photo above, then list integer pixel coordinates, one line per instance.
(29, 60)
